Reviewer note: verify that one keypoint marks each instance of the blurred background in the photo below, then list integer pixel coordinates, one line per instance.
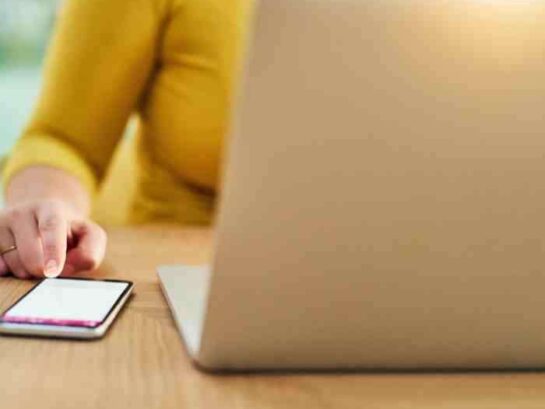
(25, 26)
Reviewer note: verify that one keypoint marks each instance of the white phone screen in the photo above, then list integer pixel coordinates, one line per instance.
(72, 302)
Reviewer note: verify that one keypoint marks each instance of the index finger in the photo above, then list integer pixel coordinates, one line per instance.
(52, 225)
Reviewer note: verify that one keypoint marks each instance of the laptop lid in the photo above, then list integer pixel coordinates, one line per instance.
(383, 203)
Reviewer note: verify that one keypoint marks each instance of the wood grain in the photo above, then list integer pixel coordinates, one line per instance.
(141, 363)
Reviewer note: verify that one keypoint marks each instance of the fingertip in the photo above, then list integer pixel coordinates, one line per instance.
(52, 269)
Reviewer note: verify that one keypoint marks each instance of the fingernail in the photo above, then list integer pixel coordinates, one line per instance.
(51, 269)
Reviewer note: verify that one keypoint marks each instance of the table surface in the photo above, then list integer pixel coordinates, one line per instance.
(141, 363)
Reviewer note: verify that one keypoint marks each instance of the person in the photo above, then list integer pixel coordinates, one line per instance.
(171, 63)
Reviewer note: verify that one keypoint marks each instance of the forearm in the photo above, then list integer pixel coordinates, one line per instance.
(47, 183)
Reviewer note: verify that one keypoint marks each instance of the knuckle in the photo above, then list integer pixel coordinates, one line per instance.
(51, 204)
(16, 214)
(50, 223)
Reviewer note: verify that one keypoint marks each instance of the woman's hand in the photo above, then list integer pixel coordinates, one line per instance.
(45, 238)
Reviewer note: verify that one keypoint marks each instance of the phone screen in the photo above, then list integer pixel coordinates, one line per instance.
(67, 302)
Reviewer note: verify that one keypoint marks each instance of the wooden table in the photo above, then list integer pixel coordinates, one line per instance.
(141, 363)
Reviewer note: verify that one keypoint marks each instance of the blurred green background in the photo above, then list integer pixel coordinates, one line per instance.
(25, 27)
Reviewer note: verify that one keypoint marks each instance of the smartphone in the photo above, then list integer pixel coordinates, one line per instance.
(67, 308)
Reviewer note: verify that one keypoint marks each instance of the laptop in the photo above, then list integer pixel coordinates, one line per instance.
(383, 204)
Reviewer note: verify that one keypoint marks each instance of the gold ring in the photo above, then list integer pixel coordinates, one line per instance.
(8, 249)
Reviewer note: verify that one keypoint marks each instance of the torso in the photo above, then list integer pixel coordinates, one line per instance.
(185, 112)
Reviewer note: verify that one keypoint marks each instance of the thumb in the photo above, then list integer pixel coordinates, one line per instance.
(89, 251)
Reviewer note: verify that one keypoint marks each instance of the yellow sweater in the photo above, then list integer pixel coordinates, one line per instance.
(170, 62)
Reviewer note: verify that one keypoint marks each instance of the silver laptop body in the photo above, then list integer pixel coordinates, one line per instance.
(384, 199)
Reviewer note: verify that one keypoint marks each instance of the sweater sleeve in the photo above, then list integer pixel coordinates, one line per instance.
(101, 57)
